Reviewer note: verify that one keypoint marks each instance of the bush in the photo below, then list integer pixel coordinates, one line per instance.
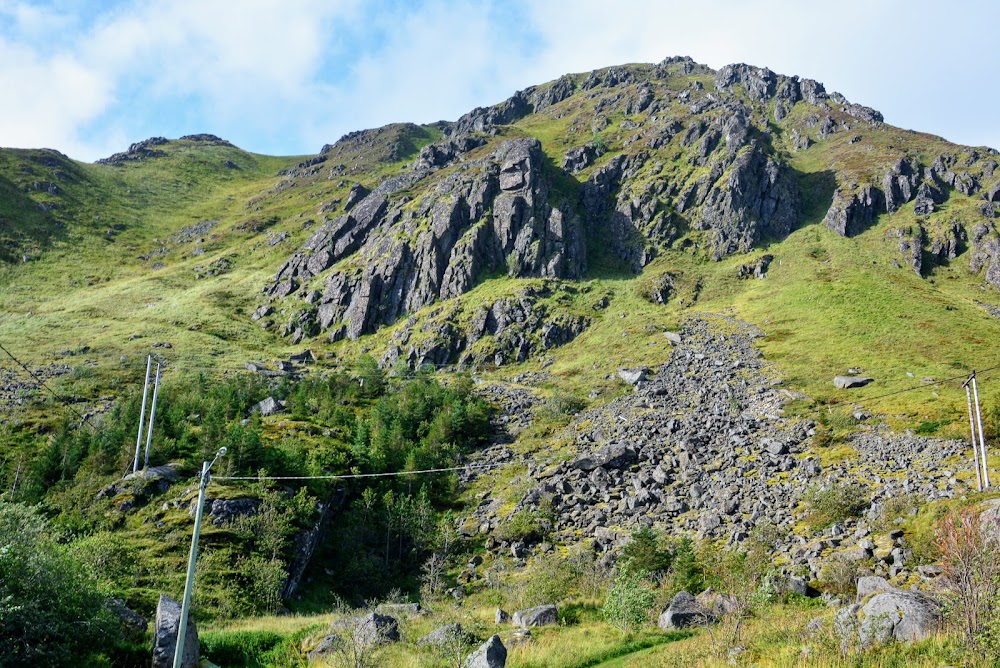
(970, 556)
(629, 600)
(525, 525)
(836, 503)
(51, 612)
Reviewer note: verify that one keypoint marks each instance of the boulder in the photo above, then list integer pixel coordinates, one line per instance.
(269, 406)
(444, 635)
(168, 619)
(683, 611)
(848, 382)
(542, 615)
(491, 654)
(633, 376)
(371, 630)
(502, 617)
(898, 615)
(872, 584)
(377, 629)
(611, 456)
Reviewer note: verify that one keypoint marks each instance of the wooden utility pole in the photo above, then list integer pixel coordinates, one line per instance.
(978, 436)
(189, 583)
(972, 427)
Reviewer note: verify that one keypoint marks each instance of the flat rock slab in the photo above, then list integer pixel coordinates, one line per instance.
(849, 382)
(542, 615)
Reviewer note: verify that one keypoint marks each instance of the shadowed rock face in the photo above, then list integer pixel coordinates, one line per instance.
(703, 161)
(168, 617)
(492, 214)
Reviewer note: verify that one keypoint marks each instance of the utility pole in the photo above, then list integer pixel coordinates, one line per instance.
(972, 427)
(142, 415)
(152, 415)
(982, 436)
(186, 605)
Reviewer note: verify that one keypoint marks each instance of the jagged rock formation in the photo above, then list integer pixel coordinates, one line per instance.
(696, 163)
(490, 214)
(510, 329)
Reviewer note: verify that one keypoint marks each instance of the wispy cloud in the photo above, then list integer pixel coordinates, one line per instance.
(286, 76)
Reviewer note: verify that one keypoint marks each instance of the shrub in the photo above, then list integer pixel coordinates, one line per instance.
(238, 648)
(970, 556)
(629, 600)
(836, 503)
(51, 612)
(525, 525)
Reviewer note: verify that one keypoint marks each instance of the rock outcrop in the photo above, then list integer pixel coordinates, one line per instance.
(492, 214)
(168, 618)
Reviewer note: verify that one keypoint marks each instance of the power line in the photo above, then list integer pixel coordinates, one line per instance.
(349, 476)
(45, 385)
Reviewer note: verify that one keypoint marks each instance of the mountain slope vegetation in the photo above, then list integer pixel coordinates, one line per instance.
(433, 296)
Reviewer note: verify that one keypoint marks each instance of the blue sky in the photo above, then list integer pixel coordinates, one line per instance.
(287, 76)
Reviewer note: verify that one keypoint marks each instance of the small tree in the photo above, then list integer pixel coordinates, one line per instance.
(645, 552)
(628, 602)
(970, 556)
(51, 612)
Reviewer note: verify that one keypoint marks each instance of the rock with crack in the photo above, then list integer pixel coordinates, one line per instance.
(542, 615)
(491, 654)
(168, 616)
(901, 616)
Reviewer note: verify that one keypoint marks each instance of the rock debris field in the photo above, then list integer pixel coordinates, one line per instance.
(701, 446)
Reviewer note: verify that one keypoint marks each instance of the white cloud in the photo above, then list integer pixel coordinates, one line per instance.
(288, 76)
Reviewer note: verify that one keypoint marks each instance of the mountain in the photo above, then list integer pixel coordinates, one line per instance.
(653, 273)
(521, 227)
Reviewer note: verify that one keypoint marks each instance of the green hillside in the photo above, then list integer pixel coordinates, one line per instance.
(469, 292)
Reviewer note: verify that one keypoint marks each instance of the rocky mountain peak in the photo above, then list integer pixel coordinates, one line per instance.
(637, 159)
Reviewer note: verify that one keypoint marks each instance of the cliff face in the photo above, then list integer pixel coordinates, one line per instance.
(488, 215)
(626, 163)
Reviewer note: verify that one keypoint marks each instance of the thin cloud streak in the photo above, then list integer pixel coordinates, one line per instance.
(286, 77)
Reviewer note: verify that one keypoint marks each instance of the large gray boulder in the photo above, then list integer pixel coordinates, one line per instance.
(849, 382)
(268, 407)
(684, 610)
(372, 630)
(542, 615)
(491, 654)
(872, 584)
(633, 376)
(898, 615)
(445, 635)
(168, 619)
(612, 456)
